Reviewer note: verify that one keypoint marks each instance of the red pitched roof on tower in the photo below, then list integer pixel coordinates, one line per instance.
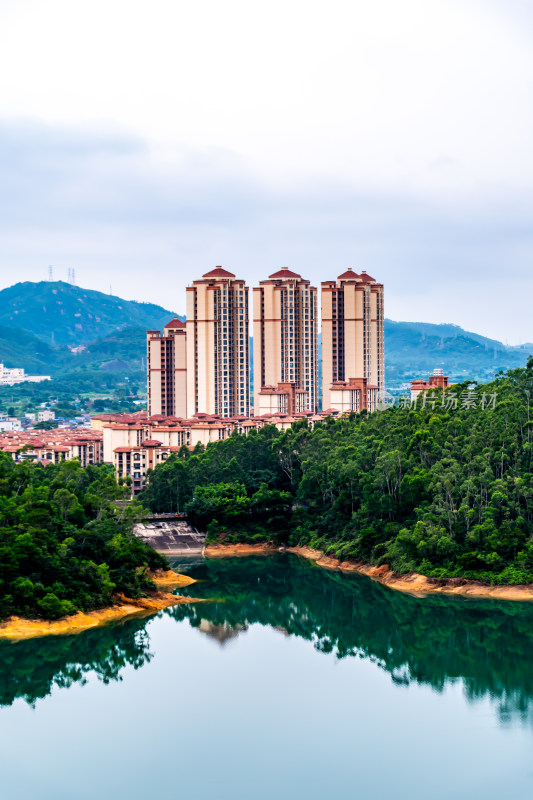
(365, 277)
(175, 323)
(218, 272)
(348, 275)
(284, 273)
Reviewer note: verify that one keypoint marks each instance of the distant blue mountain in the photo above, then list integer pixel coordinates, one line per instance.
(414, 349)
(40, 322)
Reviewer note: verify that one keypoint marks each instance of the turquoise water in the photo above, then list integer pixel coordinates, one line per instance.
(293, 683)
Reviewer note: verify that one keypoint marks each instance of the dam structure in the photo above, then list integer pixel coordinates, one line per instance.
(171, 534)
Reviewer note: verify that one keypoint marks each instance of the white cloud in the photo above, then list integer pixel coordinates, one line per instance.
(386, 135)
(373, 91)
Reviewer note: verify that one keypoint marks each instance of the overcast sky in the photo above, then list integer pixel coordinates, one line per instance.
(143, 143)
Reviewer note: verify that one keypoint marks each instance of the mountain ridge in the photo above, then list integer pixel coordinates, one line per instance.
(111, 333)
(60, 313)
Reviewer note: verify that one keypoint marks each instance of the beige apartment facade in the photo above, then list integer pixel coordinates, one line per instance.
(352, 341)
(218, 362)
(285, 339)
(166, 363)
(203, 365)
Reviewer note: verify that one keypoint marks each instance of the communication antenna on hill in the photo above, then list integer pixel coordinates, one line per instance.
(73, 275)
(50, 273)
(110, 289)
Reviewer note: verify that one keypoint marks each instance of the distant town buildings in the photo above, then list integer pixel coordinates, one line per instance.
(9, 377)
(9, 423)
(202, 366)
(46, 415)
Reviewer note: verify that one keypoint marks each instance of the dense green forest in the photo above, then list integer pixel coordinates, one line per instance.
(66, 544)
(443, 490)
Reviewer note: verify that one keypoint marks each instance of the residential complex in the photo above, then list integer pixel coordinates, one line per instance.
(218, 365)
(285, 344)
(166, 360)
(353, 371)
(136, 443)
(202, 366)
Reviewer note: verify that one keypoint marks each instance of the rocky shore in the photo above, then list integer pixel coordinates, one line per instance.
(412, 583)
(225, 550)
(20, 628)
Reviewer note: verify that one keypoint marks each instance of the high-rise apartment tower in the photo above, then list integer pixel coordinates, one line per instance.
(352, 341)
(166, 361)
(217, 345)
(285, 341)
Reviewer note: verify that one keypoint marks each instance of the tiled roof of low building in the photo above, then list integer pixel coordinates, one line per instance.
(175, 323)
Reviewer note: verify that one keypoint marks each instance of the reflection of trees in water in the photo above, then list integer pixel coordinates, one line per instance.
(486, 645)
(30, 669)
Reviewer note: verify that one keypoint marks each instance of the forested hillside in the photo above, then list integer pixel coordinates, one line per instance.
(62, 314)
(122, 351)
(65, 546)
(444, 490)
(19, 348)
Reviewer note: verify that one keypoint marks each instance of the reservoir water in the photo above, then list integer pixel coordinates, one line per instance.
(292, 682)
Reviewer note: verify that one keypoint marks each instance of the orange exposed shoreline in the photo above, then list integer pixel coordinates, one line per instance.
(225, 550)
(412, 583)
(20, 628)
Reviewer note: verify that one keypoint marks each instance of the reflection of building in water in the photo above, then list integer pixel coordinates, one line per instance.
(222, 633)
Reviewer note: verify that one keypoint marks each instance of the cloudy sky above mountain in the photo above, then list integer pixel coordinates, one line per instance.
(143, 143)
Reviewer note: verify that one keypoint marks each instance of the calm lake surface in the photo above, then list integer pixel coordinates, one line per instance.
(294, 683)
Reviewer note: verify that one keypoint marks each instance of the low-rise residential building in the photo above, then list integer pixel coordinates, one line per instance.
(436, 381)
(9, 423)
(284, 398)
(134, 443)
(134, 462)
(354, 394)
(46, 415)
(54, 446)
